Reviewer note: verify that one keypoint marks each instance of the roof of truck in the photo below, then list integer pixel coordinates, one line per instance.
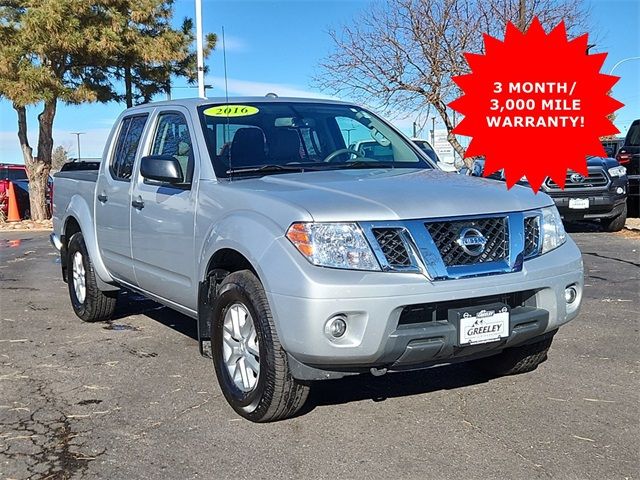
(196, 102)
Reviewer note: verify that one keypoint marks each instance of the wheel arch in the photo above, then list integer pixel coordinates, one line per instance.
(223, 262)
(78, 217)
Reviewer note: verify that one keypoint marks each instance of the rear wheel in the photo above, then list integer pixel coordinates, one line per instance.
(515, 360)
(89, 302)
(250, 364)
(615, 224)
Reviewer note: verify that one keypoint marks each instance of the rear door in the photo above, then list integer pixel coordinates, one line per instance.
(162, 226)
(113, 202)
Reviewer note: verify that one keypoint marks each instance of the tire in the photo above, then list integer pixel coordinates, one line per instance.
(615, 224)
(90, 303)
(270, 394)
(516, 360)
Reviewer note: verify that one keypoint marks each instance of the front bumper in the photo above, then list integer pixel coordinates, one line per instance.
(602, 204)
(373, 302)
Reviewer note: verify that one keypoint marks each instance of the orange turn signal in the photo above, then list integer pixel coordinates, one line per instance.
(298, 234)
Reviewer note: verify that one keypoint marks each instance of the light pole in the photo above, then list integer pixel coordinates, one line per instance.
(77, 134)
(433, 130)
(348, 130)
(199, 49)
(621, 62)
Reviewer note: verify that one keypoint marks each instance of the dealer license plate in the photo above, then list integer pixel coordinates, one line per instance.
(578, 203)
(484, 326)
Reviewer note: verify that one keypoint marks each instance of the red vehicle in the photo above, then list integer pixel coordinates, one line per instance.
(17, 174)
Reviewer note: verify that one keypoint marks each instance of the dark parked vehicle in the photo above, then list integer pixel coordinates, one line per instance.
(17, 174)
(600, 195)
(612, 145)
(629, 157)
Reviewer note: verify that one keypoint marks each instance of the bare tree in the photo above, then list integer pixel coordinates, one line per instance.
(401, 55)
(59, 157)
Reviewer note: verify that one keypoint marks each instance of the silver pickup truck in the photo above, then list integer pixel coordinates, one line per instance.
(300, 258)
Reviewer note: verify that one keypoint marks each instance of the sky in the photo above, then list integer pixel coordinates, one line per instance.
(276, 46)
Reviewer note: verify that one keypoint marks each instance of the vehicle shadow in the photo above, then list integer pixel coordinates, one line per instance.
(583, 227)
(327, 392)
(131, 303)
(392, 385)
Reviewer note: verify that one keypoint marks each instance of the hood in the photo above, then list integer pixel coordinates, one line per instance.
(603, 162)
(370, 195)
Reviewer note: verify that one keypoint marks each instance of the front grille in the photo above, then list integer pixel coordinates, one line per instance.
(393, 246)
(531, 236)
(594, 179)
(445, 235)
(439, 311)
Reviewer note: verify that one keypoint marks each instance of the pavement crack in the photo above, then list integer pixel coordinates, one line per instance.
(42, 440)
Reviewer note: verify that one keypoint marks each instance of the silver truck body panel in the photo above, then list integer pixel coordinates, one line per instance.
(164, 249)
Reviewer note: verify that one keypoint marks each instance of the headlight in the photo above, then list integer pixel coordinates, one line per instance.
(337, 245)
(553, 234)
(618, 171)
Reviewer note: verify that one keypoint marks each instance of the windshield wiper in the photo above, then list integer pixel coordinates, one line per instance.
(366, 164)
(271, 168)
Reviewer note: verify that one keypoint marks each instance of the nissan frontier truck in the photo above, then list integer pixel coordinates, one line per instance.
(300, 258)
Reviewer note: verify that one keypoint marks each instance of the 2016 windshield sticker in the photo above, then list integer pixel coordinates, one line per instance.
(231, 111)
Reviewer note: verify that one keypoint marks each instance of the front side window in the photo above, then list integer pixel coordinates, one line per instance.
(278, 137)
(124, 154)
(172, 138)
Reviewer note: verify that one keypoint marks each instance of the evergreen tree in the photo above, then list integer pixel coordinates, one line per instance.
(72, 51)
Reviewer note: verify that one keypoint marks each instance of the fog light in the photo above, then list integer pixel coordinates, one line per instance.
(619, 190)
(570, 295)
(336, 326)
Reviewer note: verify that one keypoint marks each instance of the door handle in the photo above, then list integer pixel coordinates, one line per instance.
(102, 198)
(137, 204)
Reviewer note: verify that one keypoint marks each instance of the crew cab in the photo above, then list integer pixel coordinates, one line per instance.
(301, 259)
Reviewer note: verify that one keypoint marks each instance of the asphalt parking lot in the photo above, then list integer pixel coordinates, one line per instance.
(133, 399)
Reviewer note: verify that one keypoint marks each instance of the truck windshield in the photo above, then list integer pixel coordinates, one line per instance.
(283, 137)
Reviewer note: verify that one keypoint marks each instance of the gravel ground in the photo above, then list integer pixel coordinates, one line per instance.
(132, 399)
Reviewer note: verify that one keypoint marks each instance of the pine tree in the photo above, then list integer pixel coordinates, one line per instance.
(75, 51)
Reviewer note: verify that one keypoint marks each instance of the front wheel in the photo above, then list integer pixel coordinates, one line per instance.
(250, 364)
(616, 223)
(89, 302)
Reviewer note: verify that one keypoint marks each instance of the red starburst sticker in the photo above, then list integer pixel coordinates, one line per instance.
(535, 104)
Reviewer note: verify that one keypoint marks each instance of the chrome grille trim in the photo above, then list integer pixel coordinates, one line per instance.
(446, 233)
(597, 178)
(425, 256)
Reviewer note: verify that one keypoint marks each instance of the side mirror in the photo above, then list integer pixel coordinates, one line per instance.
(162, 168)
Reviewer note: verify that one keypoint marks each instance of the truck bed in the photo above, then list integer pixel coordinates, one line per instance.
(69, 184)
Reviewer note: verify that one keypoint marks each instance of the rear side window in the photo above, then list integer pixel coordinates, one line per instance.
(124, 154)
(633, 137)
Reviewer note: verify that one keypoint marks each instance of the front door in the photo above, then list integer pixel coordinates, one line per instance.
(162, 222)
(113, 202)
